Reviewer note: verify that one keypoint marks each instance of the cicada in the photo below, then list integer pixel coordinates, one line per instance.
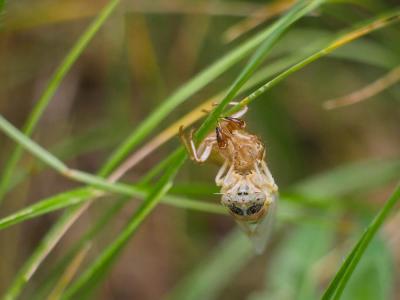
(248, 189)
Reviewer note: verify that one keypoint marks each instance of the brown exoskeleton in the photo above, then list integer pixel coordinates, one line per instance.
(247, 187)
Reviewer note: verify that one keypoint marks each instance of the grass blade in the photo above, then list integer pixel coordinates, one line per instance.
(337, 285)
(69, 273)
(54, 203)
(374, 277)
(81, 195)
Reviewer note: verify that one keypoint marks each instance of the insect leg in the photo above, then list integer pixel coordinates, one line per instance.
(235, 123)
(204, 150)
(219, 179)
(270, 180)
(239, 113)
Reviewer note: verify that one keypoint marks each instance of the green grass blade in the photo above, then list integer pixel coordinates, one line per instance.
(24, 142)
(52, 87)
(336, 287)
(73, 197)
(54, 203)
(374, 277)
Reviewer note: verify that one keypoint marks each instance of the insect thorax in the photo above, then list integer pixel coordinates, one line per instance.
(243, 152)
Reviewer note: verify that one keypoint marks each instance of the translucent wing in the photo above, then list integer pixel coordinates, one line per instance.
(260, 232)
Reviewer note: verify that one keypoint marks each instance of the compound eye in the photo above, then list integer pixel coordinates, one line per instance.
(236, 210)
(254, 209)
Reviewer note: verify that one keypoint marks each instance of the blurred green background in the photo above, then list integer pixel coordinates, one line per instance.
(335, 168)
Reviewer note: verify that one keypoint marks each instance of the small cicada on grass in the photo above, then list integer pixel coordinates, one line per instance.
(247, 187)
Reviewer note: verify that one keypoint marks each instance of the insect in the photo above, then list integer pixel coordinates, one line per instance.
(247, 186)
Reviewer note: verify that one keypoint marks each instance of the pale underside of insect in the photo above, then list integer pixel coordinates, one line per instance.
(247, 187)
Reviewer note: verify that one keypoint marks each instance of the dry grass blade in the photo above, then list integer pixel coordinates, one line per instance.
(69, 273)
(366, 92)
(70, 11)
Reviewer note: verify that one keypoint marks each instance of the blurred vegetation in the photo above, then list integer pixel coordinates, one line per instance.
(97, 90)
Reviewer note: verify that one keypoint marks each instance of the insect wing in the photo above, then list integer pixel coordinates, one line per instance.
(260, 232)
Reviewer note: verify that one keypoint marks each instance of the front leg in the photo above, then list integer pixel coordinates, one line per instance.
(203, 152)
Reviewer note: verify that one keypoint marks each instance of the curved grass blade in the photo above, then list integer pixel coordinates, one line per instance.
(366, 92)
(337, 285)
(52, 87)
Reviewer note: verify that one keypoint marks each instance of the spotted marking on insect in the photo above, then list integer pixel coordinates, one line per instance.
(247, 186)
